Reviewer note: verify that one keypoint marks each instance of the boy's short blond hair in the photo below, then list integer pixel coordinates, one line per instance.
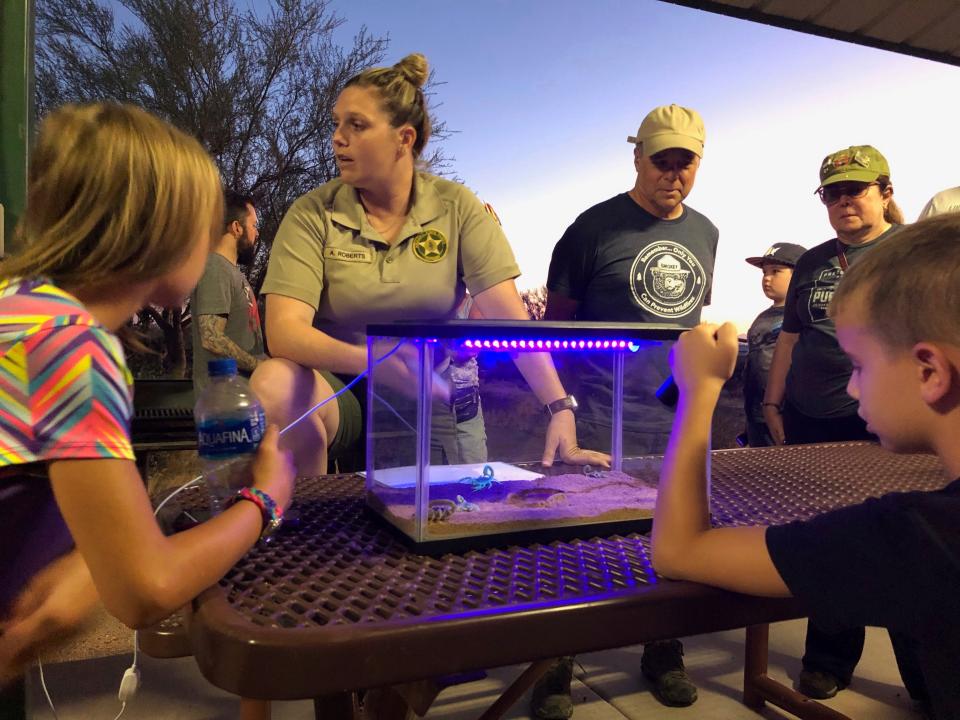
(115, 196)
(909, 285)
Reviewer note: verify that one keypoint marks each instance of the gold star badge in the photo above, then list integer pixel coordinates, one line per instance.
(430, 246)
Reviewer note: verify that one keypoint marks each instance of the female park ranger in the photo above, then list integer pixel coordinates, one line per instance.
(383, 242)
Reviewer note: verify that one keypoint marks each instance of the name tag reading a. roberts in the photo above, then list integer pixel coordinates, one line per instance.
(355, 255)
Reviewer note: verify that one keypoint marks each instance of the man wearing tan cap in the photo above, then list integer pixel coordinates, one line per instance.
(641, 256)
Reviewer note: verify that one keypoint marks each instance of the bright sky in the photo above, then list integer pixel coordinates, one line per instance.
(543, 95)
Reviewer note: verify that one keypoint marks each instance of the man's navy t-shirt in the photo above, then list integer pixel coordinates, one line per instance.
(622, 264)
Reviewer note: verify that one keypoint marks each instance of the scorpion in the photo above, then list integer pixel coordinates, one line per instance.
(481, 482)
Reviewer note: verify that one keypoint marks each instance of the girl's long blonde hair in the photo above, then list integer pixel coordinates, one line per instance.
(115, 195)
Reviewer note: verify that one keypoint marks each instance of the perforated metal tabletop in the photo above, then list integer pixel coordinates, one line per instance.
(342, 603)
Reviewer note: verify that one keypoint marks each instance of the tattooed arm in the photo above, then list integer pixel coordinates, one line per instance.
(214, 340)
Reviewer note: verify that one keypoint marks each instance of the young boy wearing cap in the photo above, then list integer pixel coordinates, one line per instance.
(892, 562)
(777, 264)
(641, 256)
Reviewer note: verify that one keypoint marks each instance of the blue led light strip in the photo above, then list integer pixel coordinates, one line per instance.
(552, 344)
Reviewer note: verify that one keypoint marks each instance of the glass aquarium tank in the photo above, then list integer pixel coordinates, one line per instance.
(456, 435)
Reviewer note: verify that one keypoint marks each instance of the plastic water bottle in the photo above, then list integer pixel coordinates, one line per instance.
(230, 425)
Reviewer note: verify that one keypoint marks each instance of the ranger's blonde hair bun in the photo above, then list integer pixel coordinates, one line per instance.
(400, 91)
(414, 69)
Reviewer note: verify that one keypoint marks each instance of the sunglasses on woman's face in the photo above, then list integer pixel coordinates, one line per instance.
(832, 194)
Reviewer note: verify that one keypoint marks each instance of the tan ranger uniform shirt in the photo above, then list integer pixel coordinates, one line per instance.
(327, 255)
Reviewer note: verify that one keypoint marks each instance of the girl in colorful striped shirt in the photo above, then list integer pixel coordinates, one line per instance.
(121, 209)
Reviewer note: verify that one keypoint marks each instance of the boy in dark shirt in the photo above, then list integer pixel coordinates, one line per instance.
(777, 264)
(892, 562)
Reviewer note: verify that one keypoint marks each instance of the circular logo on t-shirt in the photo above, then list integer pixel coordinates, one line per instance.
(667, 280)
(430, 245)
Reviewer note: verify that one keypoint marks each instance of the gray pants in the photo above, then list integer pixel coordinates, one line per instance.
(456, 443)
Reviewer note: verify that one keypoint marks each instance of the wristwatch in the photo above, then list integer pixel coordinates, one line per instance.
(565, 403)
(271, 513)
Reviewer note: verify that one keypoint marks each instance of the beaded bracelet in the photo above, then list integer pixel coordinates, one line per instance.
(271, 513)
(778, 406)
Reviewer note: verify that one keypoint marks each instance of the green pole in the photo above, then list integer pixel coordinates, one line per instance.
(16, 110)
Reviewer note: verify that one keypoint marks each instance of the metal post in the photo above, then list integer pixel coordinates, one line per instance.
(424, 412)
(16, 98)
(616, 439)
(369, 459)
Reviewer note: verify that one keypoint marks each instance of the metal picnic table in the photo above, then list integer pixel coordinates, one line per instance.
(341, 603)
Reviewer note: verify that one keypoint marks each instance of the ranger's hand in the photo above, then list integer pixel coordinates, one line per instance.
(562, 436)
(398, 370)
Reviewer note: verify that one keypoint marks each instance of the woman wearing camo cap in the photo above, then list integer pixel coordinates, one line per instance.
(806, 399)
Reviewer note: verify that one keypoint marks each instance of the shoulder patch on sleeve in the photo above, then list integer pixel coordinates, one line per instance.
(489, 208)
